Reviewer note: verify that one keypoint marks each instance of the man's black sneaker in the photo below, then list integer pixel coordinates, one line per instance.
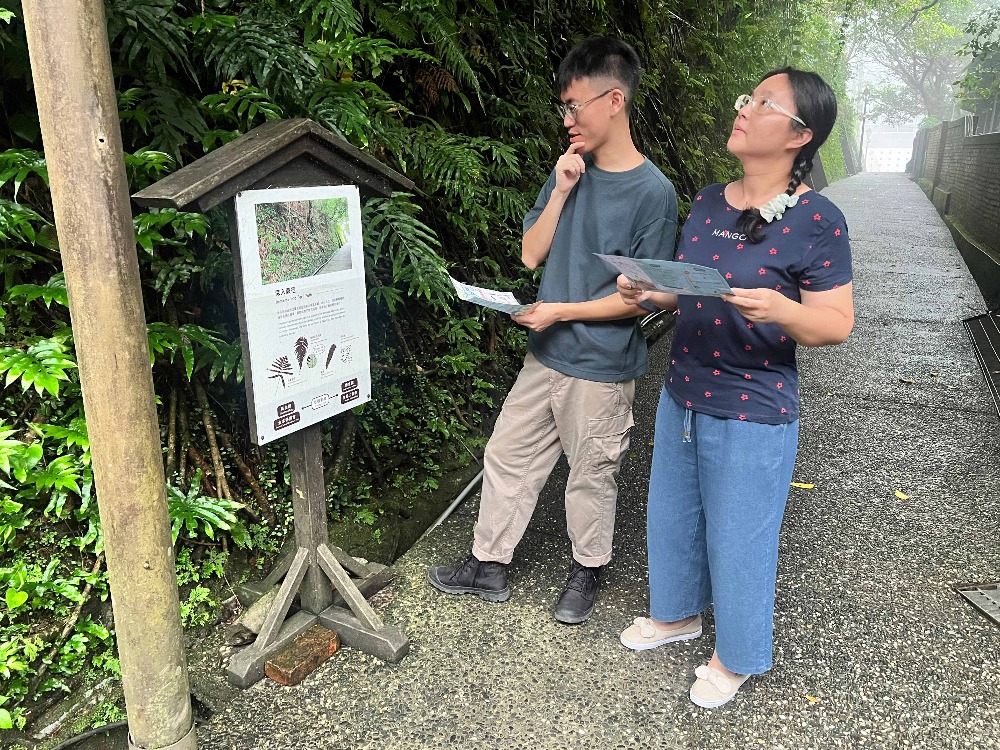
(576, 604)
(487, 580)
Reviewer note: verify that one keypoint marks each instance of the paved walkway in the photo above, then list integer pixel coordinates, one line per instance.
(873, 649)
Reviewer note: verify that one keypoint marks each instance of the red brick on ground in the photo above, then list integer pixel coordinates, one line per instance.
(300, 657)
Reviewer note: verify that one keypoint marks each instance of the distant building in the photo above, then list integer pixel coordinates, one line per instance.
(888, 150)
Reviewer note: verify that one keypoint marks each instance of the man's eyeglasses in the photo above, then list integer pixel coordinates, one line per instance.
(570, 110)
(762, 105)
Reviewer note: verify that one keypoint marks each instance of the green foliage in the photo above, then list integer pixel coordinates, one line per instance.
(979, 84)
(244, 104)
(18, 164)
(401, 242)
(895, 104)
(823, 24)
(199, 348)
(18, 222)
(16, 654)
(199, 607)
(49, 473)
(190, 569)
(196, 514)
(27, 662)
(165, 236)
(45, 476)
(13, 518)
(41, 365)
(832, 156)
(107, 712)
(53, 290)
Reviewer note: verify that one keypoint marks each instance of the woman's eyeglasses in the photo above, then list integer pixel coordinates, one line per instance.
(762, 105)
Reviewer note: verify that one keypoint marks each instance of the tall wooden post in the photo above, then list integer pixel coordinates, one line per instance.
(77, 108)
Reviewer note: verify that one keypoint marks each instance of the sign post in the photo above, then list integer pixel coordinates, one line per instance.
(299, 268)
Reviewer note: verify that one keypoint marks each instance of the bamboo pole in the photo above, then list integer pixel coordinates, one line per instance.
(77, 109)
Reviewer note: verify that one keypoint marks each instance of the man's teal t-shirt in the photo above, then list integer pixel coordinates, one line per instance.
(631, 213)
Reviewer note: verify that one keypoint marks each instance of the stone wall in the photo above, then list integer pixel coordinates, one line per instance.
(961, 175)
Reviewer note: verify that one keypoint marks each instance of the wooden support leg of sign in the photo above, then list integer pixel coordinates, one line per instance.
(309, 571)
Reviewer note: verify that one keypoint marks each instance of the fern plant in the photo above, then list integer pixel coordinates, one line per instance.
(17, 165)
(53, 290)
(42, 364)
(401, 242)
(197, 514)
(18, 222)
(199, 348)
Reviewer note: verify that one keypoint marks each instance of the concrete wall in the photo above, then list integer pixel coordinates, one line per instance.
(960, 173)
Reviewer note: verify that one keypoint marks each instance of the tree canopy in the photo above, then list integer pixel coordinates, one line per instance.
(919, 48)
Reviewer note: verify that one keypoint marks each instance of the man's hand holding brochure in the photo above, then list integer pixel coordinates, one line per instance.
(670, 276)
(502, 301)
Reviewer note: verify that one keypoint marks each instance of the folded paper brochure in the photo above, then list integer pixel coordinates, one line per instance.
(670, 276)
(502, 301)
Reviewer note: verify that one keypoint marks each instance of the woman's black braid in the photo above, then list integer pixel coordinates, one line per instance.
(803, 166)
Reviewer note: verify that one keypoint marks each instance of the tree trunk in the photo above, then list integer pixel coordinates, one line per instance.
(77, 109)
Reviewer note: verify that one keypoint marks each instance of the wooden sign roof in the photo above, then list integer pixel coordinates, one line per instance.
(279, 153)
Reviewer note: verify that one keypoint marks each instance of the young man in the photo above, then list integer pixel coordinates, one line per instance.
(574, 394)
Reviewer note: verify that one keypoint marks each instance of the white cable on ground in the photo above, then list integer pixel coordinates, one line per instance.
(455, 503)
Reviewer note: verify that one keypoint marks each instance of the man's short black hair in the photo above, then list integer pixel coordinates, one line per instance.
(601, 57)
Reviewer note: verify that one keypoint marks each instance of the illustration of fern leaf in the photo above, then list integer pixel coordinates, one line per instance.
(279, 368)
(301, 347)
(329, 355)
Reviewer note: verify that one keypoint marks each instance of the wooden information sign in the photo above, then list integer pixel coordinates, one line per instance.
(289, 166)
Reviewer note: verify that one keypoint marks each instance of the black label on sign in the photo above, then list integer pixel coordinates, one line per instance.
(350, 396)
(286, 421)
(286, 408)
(348, 385)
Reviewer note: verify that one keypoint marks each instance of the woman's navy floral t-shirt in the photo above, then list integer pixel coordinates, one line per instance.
(721, 363)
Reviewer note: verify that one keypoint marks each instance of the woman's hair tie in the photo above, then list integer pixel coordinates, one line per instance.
(775, 208)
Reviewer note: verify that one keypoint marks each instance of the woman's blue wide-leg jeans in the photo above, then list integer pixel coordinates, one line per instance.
(717, 493)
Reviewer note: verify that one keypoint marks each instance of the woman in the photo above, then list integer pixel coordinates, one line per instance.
(727, 422)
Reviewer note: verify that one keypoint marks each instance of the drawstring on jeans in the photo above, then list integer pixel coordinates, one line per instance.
(687, 425)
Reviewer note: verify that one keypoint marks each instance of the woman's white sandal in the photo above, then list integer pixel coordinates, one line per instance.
(644, 634)
(713, 689)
